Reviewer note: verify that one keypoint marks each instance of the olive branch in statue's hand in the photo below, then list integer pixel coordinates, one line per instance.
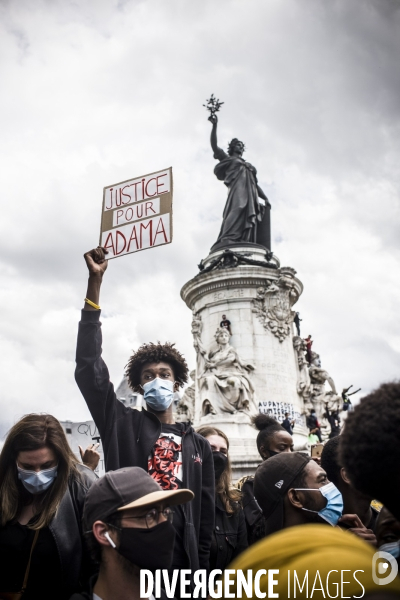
(213, 105)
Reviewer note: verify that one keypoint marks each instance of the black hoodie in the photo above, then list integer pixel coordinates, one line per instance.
(128, 437)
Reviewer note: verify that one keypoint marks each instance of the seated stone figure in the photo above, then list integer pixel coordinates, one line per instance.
(224, 384)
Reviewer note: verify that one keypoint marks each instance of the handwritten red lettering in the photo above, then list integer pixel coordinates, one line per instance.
(121, 235)
(133, 238)
(146, 190)
(143, 192)
(149, 206)
(110, 242)
(127, 195)
(119, 214)
(111, 199)
(135, 184)
(160, 231)
(161, 184)
(142, 227)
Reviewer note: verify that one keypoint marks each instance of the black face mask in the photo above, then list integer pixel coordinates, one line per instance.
(271, 453)
(220, 463)
(148, 548)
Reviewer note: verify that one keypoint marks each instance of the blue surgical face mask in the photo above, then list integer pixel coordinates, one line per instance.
(392, 548)
(37, 481)
(334, 506)
(159, 393)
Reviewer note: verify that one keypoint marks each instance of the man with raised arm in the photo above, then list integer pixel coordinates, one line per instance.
(172, 453)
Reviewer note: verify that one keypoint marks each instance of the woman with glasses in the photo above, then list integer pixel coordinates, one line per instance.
(230, 535)
(42, 490)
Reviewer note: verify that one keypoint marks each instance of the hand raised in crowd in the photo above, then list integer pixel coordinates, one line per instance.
(96, 260)
(90, 457)
(354, 524)
(97, 264)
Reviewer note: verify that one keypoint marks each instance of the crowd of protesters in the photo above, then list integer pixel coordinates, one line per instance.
(167, 500)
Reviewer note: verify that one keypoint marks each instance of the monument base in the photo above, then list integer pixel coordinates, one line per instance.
(247, 284)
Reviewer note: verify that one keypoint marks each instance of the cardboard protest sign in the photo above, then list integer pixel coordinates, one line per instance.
(82, 434)
(137, 214)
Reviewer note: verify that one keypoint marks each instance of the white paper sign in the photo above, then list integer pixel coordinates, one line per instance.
(82, 434)
(137, 214)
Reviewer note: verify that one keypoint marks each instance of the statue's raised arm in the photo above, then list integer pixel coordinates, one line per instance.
(246, 220)
(218, 152)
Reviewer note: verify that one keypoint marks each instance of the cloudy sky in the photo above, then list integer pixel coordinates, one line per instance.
(102, 91)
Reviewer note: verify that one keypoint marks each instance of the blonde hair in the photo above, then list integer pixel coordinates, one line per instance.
(34, 432)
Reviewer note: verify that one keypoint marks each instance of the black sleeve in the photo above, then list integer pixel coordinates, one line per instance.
(92, 376)
(242, 542)
(207, 508)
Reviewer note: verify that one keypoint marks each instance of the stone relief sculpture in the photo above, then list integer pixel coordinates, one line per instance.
(273, 303)
(319, 376)
(185, 406)
(224, 383)
(303, 379)
(197, 326)
(320, 398)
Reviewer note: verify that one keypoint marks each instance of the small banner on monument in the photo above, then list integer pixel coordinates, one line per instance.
(137, 214)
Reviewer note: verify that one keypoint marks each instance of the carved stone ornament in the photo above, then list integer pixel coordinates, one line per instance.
(326, 403)
(230, 259)
(303, 378)
(274, 301)
(223, 379)
(185, 406)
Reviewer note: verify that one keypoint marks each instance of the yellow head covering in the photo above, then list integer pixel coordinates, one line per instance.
(312, 548)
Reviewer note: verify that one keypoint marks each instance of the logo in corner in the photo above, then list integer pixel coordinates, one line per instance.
(279, 484)
(380, 568)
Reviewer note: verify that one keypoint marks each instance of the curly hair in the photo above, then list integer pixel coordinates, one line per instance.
(330, 460)
(156, 353)
(267, 426)
(232, 144)
(370, 446)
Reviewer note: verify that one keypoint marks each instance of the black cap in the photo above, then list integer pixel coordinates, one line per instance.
(272, 480)
(130, 487)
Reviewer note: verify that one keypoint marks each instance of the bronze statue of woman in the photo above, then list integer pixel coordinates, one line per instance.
(245, 218)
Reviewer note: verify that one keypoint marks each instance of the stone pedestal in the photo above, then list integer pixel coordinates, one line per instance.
(248, 285)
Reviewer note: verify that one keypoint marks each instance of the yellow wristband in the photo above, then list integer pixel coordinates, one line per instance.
(96, 306)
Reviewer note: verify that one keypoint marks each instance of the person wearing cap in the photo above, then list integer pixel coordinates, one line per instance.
(172, 453)
(127, 522)
(272, 439)
(292, 489)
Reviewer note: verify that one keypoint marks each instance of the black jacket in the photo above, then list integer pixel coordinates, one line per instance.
(128, 437)
(288, 426)
(230, 536)
(67, 531)
(255, 522)
(312, 422)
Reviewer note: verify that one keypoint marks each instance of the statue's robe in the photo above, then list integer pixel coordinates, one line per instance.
(242, 210)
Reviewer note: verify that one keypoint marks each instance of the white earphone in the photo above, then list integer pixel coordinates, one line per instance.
(107, 536)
